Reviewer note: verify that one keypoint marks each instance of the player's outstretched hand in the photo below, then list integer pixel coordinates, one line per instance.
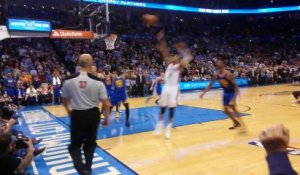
(275, 139)
(201, 95)
(150, 20)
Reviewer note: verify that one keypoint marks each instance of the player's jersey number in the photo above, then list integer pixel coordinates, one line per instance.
(82, 84)
(224, 83)
(119, 84)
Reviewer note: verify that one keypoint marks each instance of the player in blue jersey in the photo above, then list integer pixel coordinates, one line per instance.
(10, 85)
(108, 82)
(156, 88)
(119, 94)
(231, 90)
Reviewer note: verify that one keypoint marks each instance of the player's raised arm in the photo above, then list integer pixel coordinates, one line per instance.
(150, 20)
(163, 47)
(213, 79)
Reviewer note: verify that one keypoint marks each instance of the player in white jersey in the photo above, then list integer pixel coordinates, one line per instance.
(170, 90)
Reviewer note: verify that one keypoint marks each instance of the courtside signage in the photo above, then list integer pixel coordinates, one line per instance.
(28, 25)
(71, 34)
(199, 85)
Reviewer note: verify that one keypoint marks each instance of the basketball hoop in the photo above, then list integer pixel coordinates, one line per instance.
(110, 41)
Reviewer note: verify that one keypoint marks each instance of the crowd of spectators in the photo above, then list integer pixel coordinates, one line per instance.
(33, 69)
(28, 71)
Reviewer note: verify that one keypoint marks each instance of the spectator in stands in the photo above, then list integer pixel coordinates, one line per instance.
(20, 94)
(36, 82)
(56, 83)
(46, 95)
(10, 85)
(31, 95)
(140, 84)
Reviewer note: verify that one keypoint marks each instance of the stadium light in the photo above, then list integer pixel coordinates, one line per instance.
(196, 9)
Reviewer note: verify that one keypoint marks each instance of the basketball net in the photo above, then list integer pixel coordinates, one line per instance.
(110, 41)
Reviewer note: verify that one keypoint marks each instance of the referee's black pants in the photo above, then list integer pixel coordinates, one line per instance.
(84, 127)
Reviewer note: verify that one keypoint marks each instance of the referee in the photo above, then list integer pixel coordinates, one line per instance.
(80, 94)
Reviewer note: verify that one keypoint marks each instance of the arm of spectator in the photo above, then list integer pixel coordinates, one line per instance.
(275, 141)
(26, 161)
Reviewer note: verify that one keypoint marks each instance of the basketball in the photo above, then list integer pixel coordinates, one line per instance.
(150, 20)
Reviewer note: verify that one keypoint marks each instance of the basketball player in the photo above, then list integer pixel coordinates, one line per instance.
(171, 78)
(108, 82)
(231, 90)
(119, 95)
(156, 87)
(171, 89)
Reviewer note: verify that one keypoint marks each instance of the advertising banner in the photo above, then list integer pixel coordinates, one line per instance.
(199, 85)
(71, 34)
(28, 25)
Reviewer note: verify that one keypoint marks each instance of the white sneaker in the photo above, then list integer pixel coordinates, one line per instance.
(168, 131)
(296, 102)
(159, 127)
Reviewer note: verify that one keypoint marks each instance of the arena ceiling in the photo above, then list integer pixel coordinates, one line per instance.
(197, 3)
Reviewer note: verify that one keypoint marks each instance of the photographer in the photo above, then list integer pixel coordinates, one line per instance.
(31, 95)
(10, 164)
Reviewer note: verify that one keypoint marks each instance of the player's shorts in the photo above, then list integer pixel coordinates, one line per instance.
(109, 93)
(10, 92)
(227, 97)
(116, 98)
(157, 91)
(169, 96)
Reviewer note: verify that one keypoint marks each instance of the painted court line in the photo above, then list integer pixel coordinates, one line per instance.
(56, 160)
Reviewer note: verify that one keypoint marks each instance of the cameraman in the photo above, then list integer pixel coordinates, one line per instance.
(10, 164)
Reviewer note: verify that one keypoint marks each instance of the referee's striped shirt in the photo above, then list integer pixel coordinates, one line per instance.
(83, 90)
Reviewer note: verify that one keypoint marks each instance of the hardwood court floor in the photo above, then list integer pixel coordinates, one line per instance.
(210, 148)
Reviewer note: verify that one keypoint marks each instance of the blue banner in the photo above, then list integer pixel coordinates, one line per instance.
(199, 85)
(195, 9)
(29, 25)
